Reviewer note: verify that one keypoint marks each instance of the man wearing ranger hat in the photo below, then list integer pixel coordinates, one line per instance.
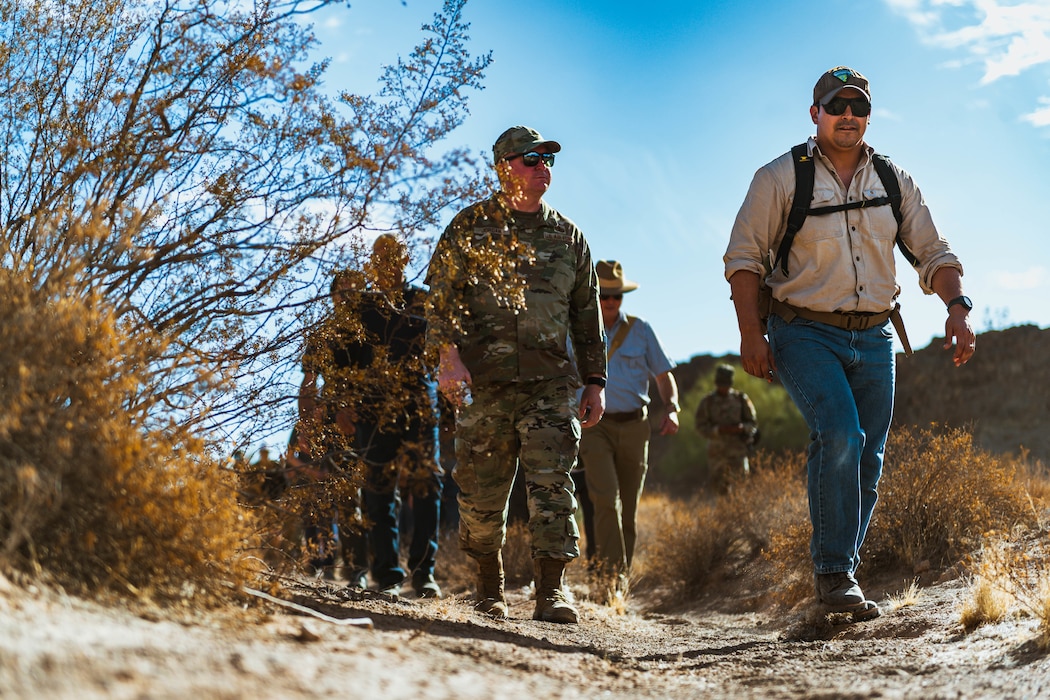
(828, 262)
(614, 453)
(511, 284)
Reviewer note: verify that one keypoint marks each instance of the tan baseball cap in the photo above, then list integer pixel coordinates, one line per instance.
(837, 79)
(520, 139)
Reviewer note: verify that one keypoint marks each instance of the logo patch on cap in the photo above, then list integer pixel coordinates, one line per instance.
(843, 74)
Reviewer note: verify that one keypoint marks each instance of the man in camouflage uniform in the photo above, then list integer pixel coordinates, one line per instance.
(511, 284)
(727, 418)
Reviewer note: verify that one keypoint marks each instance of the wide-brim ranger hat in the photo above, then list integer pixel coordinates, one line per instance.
(520, 139)
(836, 80)
(611, 279)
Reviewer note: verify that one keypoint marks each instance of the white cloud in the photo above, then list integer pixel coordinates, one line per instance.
(1041, 116)
(1007, 37)
(1025, 280)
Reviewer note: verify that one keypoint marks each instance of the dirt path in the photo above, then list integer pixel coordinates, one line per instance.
(53, 646)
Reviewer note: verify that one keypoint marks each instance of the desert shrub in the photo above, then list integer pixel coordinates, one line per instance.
(939, 494)
(689, 547)
(90, 492)
(1011, 569)
(175, 201)
(989, 600)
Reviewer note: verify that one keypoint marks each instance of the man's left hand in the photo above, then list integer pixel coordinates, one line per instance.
(958, 328)
(669, 424)
(592, 405)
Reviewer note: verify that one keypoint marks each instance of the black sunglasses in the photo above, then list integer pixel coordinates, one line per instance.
(858, 105)
(607, 297)
(532, 158)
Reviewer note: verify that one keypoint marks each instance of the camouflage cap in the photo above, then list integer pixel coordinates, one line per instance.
(520, 139)
(837, 79)
(724, 375)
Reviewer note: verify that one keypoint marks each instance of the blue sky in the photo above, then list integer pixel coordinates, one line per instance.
(665, 109)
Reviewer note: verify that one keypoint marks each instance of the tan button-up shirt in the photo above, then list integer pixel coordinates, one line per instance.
(838, 262)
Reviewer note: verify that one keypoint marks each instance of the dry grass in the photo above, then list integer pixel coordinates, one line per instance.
(689, 548)
(908, 597)
(938, 496)
(91, 494)
(1012, 571)
(987, 604)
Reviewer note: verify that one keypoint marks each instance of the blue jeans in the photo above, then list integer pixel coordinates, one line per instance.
(386, 452)
(842, 382)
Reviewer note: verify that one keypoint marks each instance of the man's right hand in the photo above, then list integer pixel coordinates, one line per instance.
(756, 357)
(453, 376)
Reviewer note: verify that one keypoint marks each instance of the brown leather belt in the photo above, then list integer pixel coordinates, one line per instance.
(625, 417)
(859, 321)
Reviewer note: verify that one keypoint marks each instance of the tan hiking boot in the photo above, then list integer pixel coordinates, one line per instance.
(490, 600)
(553, 603)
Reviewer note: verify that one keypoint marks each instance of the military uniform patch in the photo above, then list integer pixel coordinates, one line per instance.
(489, 231)
(557, 236)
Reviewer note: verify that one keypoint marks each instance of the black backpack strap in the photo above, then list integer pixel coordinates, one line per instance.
(893, 191)
(805, 172)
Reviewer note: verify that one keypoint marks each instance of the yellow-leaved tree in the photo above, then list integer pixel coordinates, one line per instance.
(175, 189)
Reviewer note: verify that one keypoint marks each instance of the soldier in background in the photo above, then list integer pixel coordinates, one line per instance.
(726, 417)
(511, 282)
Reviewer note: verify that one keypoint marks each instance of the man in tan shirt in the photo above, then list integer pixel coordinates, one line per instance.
(828, 331)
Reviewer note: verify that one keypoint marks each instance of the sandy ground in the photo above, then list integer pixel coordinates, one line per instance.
(56, 646)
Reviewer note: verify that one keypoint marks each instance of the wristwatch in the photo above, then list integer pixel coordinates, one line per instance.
(673, 407)
(963, 301)
(600, 381)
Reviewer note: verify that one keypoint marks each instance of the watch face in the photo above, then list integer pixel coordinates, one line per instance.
(962, 301)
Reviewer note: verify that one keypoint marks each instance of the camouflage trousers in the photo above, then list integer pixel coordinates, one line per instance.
(726, 462)
(510, 424)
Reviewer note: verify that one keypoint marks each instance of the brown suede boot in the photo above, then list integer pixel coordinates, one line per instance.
(490, 599)
(552, 601)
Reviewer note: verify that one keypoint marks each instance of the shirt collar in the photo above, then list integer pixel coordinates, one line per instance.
(811, 143)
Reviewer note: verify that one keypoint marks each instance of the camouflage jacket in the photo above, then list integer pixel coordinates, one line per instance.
(510, 289)
(716, 410)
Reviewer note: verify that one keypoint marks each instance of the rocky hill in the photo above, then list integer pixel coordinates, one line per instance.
(1001, 395)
